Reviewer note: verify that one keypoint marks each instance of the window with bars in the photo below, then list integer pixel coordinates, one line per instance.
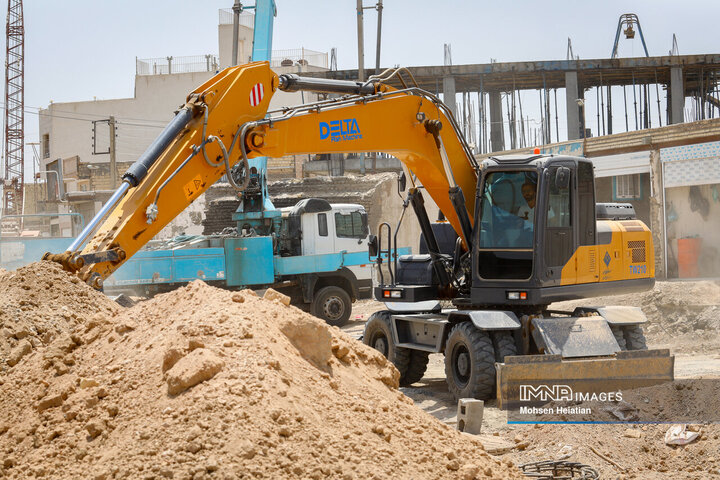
(46, 145)
(627, 187)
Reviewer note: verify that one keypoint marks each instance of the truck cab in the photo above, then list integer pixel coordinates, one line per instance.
(315, 227)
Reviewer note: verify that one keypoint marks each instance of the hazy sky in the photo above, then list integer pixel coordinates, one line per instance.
(79, 49)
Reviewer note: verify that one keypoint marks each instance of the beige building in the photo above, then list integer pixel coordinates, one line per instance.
(75, 136)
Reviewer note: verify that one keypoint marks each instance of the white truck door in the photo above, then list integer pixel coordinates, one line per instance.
(317, 233)
(351, 235)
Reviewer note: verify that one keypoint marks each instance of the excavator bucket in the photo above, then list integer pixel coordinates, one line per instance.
(534, 379)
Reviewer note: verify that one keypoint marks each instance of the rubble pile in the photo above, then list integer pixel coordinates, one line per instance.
(204, 383)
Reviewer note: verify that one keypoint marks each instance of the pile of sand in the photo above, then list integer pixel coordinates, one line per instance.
(204, 383)
(39, 304)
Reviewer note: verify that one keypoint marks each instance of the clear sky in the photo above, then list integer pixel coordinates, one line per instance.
(79, 49)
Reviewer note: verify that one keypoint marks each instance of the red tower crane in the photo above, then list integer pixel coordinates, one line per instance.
(14, 171)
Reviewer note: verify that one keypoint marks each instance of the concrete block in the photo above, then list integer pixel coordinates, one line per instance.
(470, 415)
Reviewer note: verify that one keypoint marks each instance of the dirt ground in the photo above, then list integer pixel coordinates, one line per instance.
(205, 383)
(684, 316)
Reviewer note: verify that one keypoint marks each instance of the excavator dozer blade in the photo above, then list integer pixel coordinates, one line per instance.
(537, 374)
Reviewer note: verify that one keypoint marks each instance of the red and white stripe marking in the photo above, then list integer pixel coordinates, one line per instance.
(256, 94)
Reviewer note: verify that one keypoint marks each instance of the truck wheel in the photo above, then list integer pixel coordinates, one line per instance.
(333, 305)
(469, 362)
(416, 367)
(635, 338)
(619, 337)
(504, 345)
(378, 335)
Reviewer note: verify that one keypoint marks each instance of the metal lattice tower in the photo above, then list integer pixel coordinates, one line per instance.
(14, 110)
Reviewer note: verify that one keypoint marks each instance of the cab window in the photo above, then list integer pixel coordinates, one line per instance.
(351, 225)
(508, 210)
(507, 225)
(322, 225)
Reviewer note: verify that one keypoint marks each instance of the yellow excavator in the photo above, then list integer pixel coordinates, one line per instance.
(520, 232)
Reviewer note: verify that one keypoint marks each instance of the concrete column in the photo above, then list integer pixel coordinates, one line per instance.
(572, 95)
(677, 95)
(497, 132)
(449, 94)
(657, 217)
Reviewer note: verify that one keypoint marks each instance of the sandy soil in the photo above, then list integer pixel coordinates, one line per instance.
(683, 316)
(204, 383)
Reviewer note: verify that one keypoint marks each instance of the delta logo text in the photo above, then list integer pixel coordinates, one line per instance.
(561, 393)
(340, 130)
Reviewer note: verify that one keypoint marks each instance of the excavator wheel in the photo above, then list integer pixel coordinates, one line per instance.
(416, 367)
(378, 335)
(635, 338)
(470, 362)
(619, 337)
(504, 344)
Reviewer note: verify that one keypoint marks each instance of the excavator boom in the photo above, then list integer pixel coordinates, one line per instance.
(226, 121)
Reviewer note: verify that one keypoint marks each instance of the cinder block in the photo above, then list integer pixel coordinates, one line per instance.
(470, 415)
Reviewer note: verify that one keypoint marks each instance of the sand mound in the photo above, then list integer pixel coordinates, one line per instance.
(206, 383)
(39, 304)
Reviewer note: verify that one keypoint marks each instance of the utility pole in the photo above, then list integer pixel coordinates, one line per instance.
(237, 8)
(379, 8)
(113, 167)
(361, 42)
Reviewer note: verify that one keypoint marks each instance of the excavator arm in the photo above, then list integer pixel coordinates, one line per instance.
(409, 124)
(226, 121)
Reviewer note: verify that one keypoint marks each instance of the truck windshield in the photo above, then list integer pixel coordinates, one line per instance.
(508, 210)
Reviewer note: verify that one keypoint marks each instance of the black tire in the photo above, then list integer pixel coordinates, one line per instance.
(333, 305)
(416, 367)
(635, 338)
(504, 345)
(619, 337)
(378, 335)
(469, 363)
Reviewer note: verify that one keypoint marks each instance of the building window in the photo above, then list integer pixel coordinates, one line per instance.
(627, 187)
(46, 145)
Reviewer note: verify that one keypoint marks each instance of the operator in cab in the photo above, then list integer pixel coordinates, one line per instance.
(527, 212)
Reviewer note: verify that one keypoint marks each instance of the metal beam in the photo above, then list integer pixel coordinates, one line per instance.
(529, 75)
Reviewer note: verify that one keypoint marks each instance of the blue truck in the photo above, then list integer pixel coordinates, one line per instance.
(317, 254)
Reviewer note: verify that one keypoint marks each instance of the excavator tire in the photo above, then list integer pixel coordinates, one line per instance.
(470, 362)
(416, 367)
(378, 335)
(635, 338)
(619, 336)
(504, 344)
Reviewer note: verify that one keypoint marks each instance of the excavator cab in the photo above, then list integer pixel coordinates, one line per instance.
(536, 237)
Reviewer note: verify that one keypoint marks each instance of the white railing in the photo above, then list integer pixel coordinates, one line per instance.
(188, 64)
(299, 56)
(247, 18)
